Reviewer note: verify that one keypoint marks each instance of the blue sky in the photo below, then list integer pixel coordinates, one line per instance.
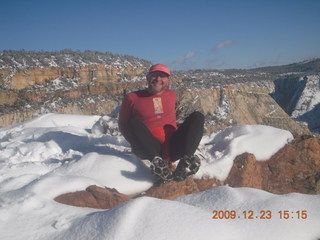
(185, 34)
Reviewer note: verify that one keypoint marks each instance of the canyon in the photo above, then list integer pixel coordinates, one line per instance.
(226, 98)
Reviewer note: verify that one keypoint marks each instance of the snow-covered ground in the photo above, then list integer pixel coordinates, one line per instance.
(310, 96)
(55, 154)
(307, 108)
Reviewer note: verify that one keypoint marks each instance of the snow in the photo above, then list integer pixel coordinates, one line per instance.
(221, 149)
(55, 154)
(310, 96)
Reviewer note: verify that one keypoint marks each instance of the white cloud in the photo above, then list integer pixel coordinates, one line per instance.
(183, 62)
(223, 44)
(184, 58)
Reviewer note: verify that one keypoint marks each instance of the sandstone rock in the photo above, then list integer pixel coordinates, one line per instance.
(295, 168)
(107, 197)
(78, 199)
(5, 77)
(173, 189)
(95, 108)
(238, 104)
(91, 108)
(94, 197)
(207, 183)
(256, 107)
(100, 73)
(20, 97)
(246, 172)
(17, 116)
(8, 97)
(28, 77)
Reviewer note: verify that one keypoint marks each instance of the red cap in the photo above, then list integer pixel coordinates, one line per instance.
(159, 67)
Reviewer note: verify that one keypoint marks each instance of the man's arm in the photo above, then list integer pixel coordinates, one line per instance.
(124, 115)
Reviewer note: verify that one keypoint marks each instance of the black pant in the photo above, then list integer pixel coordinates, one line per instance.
(183, 142)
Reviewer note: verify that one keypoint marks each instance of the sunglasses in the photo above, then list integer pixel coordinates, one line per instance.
(157, 74)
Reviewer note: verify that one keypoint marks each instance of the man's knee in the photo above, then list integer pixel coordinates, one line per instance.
(197, 116)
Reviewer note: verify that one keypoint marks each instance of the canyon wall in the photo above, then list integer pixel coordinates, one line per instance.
(98, 73)
(98, 89)
(33, 83)
(238, 104)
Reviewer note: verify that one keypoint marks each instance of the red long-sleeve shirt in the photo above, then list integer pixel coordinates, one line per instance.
(155, 111)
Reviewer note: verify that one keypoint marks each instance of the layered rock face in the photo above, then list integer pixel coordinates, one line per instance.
(238, 104)
(94, 83)
(100, 73)
(64, 82)
(98, 89)
(87, 90)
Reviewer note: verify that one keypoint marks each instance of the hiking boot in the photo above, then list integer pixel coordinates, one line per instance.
(187, 166)
(161, 169)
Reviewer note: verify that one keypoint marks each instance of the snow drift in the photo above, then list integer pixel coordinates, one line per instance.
(55, 154)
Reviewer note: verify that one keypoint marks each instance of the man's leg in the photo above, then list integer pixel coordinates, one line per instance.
(143, 143)
(183, 145)
(146, 146)
(186, 139)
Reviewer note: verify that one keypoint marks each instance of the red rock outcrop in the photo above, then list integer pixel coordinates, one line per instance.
(94, 197)
(173, 189)
(246, 172)
(295, 168)
(78, 199)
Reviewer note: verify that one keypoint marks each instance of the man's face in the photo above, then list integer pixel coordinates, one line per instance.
(157, 82)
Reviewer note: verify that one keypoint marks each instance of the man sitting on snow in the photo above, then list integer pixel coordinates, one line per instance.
(147, 120)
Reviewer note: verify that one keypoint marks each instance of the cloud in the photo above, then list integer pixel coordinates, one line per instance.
(223, 44)
(183, 62)
(183, 59)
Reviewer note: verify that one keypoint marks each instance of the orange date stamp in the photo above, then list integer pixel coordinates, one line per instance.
(262, 214)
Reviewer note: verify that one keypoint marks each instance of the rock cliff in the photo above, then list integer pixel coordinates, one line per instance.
(99, 89)
(300, 98)
(96, 73)
(94, 83)
(53, 84)
(238, 104)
